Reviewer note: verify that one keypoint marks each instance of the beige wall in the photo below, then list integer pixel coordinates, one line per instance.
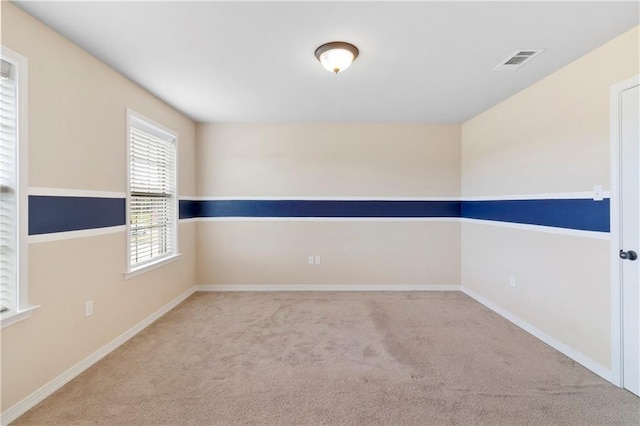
(328, 160)
(562, 282)
(372, 253)
(77, 113)
(551, 137)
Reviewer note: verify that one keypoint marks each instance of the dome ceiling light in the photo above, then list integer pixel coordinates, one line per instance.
(336, 56)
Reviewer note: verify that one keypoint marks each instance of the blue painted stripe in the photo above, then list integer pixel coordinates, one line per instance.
(188, 209)
(48, 214)
(318, 208)
(582, 214)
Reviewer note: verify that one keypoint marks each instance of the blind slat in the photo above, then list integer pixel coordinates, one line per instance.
(152, 189)
(8, 193)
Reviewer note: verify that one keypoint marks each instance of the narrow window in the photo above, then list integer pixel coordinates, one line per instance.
(13, 198)
(152, 198)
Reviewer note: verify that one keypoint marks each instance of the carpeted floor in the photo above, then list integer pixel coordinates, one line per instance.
(335, 358)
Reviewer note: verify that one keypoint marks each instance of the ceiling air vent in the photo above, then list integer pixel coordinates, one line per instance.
(517, 59)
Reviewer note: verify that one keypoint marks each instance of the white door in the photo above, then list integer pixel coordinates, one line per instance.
(630, 237)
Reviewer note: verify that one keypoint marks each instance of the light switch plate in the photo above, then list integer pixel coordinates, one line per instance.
(598, 194)
(88, 308)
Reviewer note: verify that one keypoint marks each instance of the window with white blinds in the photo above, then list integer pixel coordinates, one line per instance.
(153, 212)
(8, 187)
(14, 304)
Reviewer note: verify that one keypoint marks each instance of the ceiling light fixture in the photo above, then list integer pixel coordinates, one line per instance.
(336, 56)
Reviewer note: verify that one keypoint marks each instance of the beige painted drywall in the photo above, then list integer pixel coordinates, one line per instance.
(380, 253)
(328, 160)
(58, 335)
(561, 282)
(77, 115)
(77, 109)
(551, 137)
(554, 135)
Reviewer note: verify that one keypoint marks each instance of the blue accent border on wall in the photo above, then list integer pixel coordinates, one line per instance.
(48, 214)
(581, 214)
(326, 208)
(187, 209)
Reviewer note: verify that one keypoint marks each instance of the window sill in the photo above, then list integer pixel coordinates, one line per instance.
(10, 318)
(152, 265)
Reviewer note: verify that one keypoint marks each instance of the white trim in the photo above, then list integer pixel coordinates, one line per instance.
(39, 395)
(149, 125)
(64, 192)
(567, 350)
(315, 198)
(23, 180)
(127, 203)
(10, 318)
(22, 141)
(327, 219)
(616, 290)
(329, 287)
(58, 236)
(188, 220)
(152, 265)
(539, 228)
(588, 195)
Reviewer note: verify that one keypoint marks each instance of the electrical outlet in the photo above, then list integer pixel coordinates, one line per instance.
(88, 308)
(512, 280)
(317, 260)
(311, 260)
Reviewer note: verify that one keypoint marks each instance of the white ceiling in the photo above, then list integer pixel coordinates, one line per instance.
(253, 61)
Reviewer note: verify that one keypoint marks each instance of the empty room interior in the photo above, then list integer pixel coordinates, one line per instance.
(392, 213)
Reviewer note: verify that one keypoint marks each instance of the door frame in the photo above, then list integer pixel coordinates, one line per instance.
(614, 204)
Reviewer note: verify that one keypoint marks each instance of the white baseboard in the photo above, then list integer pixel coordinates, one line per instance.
(30, 401)
(575, 355)
(329, 287)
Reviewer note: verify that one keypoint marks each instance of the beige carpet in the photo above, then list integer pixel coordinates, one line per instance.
(335, 358)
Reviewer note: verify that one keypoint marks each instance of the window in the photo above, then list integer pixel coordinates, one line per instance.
(13, 197)
(152, 198)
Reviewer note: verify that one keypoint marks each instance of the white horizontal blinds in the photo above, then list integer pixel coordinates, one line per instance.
(8, 188)
(152, 186)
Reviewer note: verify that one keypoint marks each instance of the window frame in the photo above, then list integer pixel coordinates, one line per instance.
(134, 270)
(23, 308)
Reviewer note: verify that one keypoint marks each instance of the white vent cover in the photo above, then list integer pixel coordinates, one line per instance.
(517, 59)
